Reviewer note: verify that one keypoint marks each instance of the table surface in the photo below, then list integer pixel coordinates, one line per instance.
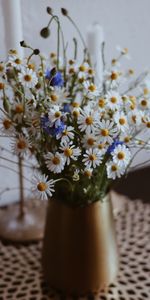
(20, 266)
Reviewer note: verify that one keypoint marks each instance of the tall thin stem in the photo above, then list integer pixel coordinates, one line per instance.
(21, 200)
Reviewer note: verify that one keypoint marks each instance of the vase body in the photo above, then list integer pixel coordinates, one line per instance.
(79, 251)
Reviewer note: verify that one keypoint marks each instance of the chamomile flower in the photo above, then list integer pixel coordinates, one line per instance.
(18, 109)
(144, 104)
(88, 172)
(121, 121)
(42, 186)
(15, 62)
(101, 103)
(55, 162)
(27, 77)
(69, 152)
(91, 89)
(67, 134)
(134, 117)
(89, 141)
(55, 113)
(114, 100)
(20, 145)
(87, 120)
(114, 170)
(57, 95)
(92, 158)
(106, 131)
(121, 155)
(7, 126)
(123, 51)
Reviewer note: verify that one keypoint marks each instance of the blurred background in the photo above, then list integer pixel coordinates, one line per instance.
(125, 23)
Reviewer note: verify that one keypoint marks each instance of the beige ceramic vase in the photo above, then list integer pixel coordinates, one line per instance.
(79, 251)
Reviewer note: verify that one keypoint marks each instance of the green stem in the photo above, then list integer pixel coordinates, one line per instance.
(78, 30)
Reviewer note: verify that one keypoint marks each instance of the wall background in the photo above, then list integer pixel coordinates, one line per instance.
(126, 23)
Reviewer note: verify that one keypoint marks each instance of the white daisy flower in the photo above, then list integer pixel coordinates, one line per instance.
(58, 95)
(144, 104)
(69, 151)
(102, 103)
(15, 62)
(91, 89)
(55, 162)
(106, 131)
(92, 158)
(134, 117)
(121, 121)
(114, 170)
(27, 77)
(114, 100)
(87, 120)
(55, 113)
(42, 186)
(18, 109)
(7, 126)
(88, 172)
(89, 141)
(20, 145)
(67, 134)
(123, 51)
(121, 155)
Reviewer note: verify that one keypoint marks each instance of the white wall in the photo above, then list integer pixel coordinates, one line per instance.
(126, 23)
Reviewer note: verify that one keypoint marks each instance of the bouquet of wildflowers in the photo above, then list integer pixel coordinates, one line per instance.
(81, 135)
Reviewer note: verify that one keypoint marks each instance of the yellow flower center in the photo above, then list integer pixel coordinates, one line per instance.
(65, 132)
(68, 152)
(122, 121)
(2, 85)
(125, 51)
(131, 71)
(71, 70)
(52, 55)
(124, 98)
(76, 113)
(1, 68)
(89, 120)
(113, 99)
(144, 102)
(101, 103)
(21, 145)
(127, 139)
(31, 66)
(132, 106)
(114, 168)
(134, 119)
(114, 76)
(91, 141)
(114, 61)
(54, 97)
(27, 77)
(19, 108)
(82, 68)
(18, 61)
(40, 73)
(42, 186)
(101, 146)
(7, 123)
(71, 62)
(87, 173)
(92, 88)
(104, 132)
(92, 157)
(81, 80)
(75, 104)
(90, 71)
(57, 114)
(56, 160)
(121, 155)
(146, 91)
(148, 124)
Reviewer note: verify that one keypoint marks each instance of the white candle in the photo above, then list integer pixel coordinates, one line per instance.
(95, 38)
(13, 25)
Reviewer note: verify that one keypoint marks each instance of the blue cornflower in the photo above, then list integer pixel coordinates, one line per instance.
(66, 108)
(112, 147)
(56, 80)
(46, 124)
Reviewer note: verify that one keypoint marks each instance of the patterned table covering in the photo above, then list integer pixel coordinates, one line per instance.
(20, 268)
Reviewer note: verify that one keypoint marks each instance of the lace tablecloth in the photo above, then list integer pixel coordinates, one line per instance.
(20, 268)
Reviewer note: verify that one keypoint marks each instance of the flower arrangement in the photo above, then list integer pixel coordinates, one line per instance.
(81, 134)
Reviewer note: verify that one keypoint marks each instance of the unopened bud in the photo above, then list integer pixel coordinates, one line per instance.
(49, 10)
(64, 11)
(36, 51)
(45, 32)
(23, 44)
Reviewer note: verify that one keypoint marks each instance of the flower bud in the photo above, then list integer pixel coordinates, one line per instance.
(36, 51)
(45, 32)
(49, 10)
(23, 44)
(64, 12)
